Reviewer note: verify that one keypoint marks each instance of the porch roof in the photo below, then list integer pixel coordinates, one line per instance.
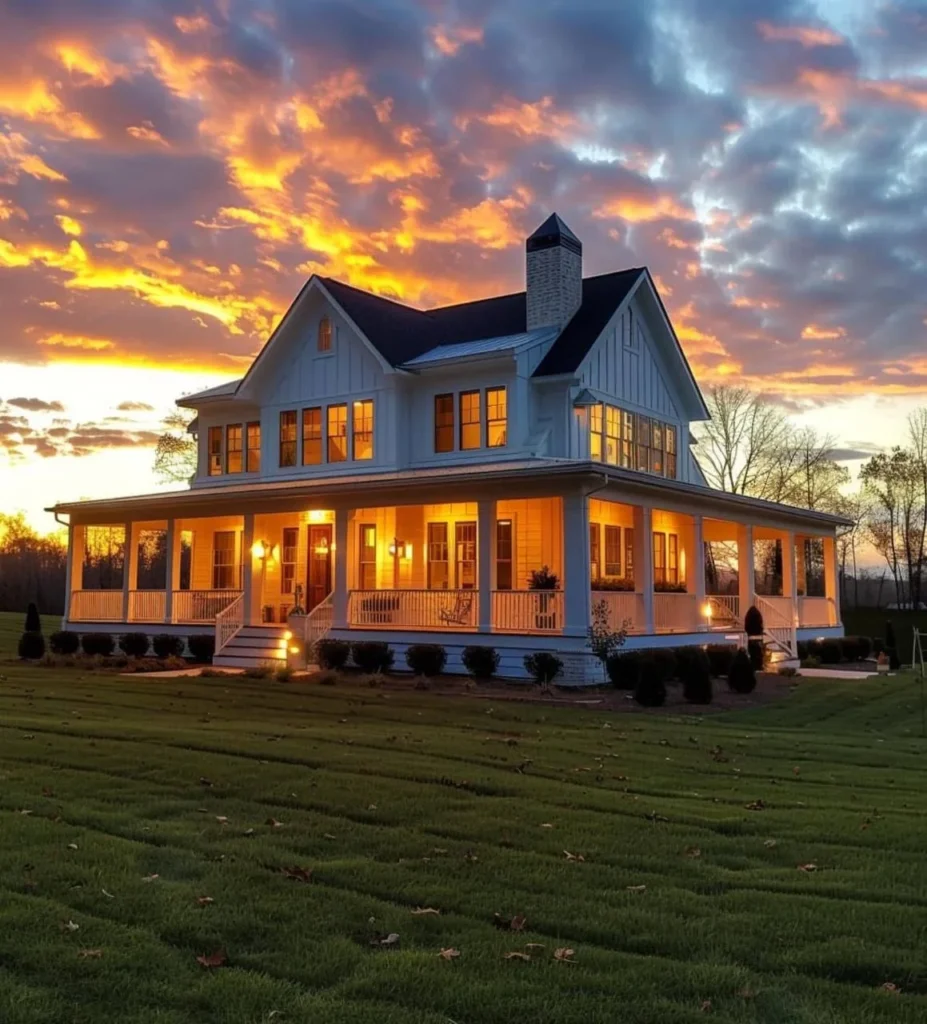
(512, 478)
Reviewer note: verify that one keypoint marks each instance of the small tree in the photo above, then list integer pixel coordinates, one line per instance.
(33, 622)
(543, 667)
(602, 639)
(740, 677)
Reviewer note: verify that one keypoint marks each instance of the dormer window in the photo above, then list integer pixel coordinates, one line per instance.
(325, 335)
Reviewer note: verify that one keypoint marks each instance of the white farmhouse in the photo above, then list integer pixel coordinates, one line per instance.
(409, 475)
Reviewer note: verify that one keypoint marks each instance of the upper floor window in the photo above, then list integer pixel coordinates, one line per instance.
(363, 429)
(325, 335)
(612, 434)
(312, 436)
(496, 417)
(234, 454)
(337, 433)
(595, 433)
(632, 441)
(444, 423)
(214, 441)
(469, 420)
(254, 447)
(288, 438)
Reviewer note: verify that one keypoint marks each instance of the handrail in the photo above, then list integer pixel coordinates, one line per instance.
(318, 625)
(778, 627)
(229, 622)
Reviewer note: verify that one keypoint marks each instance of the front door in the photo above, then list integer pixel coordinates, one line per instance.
(319, 582)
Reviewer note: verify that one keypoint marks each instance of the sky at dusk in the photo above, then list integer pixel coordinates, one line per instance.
(171, 171)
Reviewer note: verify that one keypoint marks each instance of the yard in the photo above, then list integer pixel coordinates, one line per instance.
(762, 866)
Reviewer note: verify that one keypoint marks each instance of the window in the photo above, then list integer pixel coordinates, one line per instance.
(627, 440)
(104, 557)
(444, 423)
(337, 433)
(363, 429)
(325, 335)
(656, 447)
(669, 438)
(595, 554)
(659, 558)
(367, 558)
(254, 447)
(495, 417)
(813, 559)
(629, 554)
(215, 451)
(672, 558)
(225, 574)
(643, 443)
(595, 433)
(233, 449)
(437, 556)
(504, 553)
(312, 437)
(186, 559)
(469, 420)
(288, 559)
(612, 550)
(465, 548)
(612, 434)
(288, 438)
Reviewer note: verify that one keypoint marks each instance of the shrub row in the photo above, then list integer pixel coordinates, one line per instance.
(646, 673)
(834, 650)
(373, 656)
(134, 645)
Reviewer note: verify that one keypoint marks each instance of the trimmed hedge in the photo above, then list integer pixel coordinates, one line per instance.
(720, 657)
(101, 644)
(831, 652)
(202, 647)
(332, 654)
(480, 662)
(756, 650)
(426, 659)
(372, 655)
(64, 642)
(666, 660)
(741, 678)
(33, 622)
(753, 621)
(135, 645)
(696, 681)
(624, 670)
(651, 690)
(32, 645)
(166, 645)
(543, 667)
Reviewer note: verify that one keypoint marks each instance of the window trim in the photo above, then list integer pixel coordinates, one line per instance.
(329, 335)
(442, 427)
(250, 449)
(470, 525)
(612, 568)
(240, 450)
(478, 422)
(489, 423)
(333, 438)
(361, 561)
(233, 565)
(294, 442)
(320, 440)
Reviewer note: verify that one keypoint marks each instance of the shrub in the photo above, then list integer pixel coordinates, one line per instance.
(543, 579)
(753, 621)
(372, 656)
(481, 662)
(665, 659)
(651, 690)
(260, 671)
(855, 648)
(284, 674)
(804, 649)
(614, 583)
(865, 647)
(624, 670)
(202, 646)
(602, 639)
(720, 657)
(32, 645)
(134, 644)
(101, 644)
(831, 652)
(740, 677)
(426, 659)
(543, 667)
(33, 622)
(894, 663)
(788, 671)
(756, 649)
(812, 661)
(64, 642)
(696, 682)
(166, 645)
(891, 644)
(332, 654)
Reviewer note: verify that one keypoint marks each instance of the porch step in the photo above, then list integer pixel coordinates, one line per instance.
(254, 646)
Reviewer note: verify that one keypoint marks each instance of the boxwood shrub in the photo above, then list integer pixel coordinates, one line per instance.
(32, 645)
(543, 667)
(481, 662)
(332, 654)
(720, 657)
(135, 645)
(202, 647)
(426, 659)
(696, 679)
(372, 655)
(651, 690)
(98, 643)
(166, 645)
(741, 678)
(624, 670)
(64, 642)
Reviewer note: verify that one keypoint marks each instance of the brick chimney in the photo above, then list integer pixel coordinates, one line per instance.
(554, 275)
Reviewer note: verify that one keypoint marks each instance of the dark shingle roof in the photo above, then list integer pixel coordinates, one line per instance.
(401, 333)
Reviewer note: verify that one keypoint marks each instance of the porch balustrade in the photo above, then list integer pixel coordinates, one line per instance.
(676, 613)
(817, 611)
(147, 605)
(725, 611)
(527, 611)
(623, 607)
(414, 609)
(96, 606)
(201, 605)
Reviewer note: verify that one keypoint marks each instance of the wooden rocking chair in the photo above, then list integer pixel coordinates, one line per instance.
(459, 615)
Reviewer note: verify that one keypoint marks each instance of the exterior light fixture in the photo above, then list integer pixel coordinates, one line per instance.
(259, 549)
(706, 610)
(294, 649)
(400, 548)
(322, 547)
(288, 635)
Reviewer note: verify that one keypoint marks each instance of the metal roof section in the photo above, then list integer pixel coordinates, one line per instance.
(219, 391)
(452, 351)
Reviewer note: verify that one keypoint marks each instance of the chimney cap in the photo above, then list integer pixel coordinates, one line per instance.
(553, 232)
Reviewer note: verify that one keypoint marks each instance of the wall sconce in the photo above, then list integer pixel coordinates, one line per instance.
(400, 548)
(706, 610)
(259, 549)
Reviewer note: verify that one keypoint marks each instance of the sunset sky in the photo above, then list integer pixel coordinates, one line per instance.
(172, 170)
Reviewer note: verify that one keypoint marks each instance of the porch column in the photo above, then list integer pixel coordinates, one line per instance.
(171, 570)
(746, 572)
(129, 568)
(247, 566)
(789, 574)
(485, 560)
(698, 569)
(340, 589)
(831, 589)
(643, 562)
(577, 591)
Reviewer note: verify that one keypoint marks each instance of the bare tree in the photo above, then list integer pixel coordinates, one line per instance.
(175, 452)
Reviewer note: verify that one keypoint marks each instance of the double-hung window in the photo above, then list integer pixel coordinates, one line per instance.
(444, 423)
(595, 433)
(337, 433)
(363, 430)
(214, 440)
(612, 550)
(234, 454)
(288, 438)
(595, 552)
(312, 436)
(288, 559)
(496, 416)
(253, 454)
(504, 554)
(225, 575)
(470, 426)
(438, 568)
(612, 434)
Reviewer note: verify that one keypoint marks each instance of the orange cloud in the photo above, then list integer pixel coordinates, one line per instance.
(817, 333)
(641, 209)
(528, 120)
(807, 35)
(33, 101)
(449, 39)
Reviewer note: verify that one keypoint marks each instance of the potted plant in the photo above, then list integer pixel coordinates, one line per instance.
(546, 608)
(296, 616)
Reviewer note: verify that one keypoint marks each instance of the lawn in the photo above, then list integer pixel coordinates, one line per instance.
(145, 823)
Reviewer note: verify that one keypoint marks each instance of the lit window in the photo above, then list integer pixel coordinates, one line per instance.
(312, 437)
(656, 448)
(288, 559)
(215, 451)
(437, 556)
(669, 436)
(367, 567)
(595, 554)
(325, 335)
(254, 447)
(612, 434)
(233, 448)
(465, 546)
(659, 558)
(629, 553)
(643, 443)
(363, 429)
(337, 433)
(612, 550)
(672, 558)
(444, 423)
(595, 433)
(495, 418)
(469, 420)
(288, 438)
(627, 440)
(504, 554)
(225, 569)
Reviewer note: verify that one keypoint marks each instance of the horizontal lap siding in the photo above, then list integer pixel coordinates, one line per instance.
(203, 531)
(538, 529)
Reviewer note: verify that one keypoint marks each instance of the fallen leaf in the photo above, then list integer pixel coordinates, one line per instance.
(891, 988)
(90, 954)
(534, 945)
(510, 924)
(70, 926)
(217, 959)
(298, 874)
(371, 807)
(72, 846)
(449, 954)
(151, 878)
(24, 811)
(574, 856)
(249, 831)
(692, 851)
(47, 791)
(204, 901)
(807, 867)
(756, 805)
(706, 1006)
(516, 955)
(796, 770)
(471, 857)
(108, 895)
(390, 940)
(546, 824)
(222, 819)
(564, 955)
(274, 823)
(637, 888)
(328, 835)
(422, 911)
(204, 781)
(770, 843)
(654, 817)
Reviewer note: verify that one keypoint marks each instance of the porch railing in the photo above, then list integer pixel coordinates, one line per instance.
(623, 606)
(229, 622)
(817, 611)
(414, 609)
(527, 611)
(676, 613)
(725, 611)
(147, 605)
(95, 606)
(318, 624)
(201, 605)
(778, 622)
